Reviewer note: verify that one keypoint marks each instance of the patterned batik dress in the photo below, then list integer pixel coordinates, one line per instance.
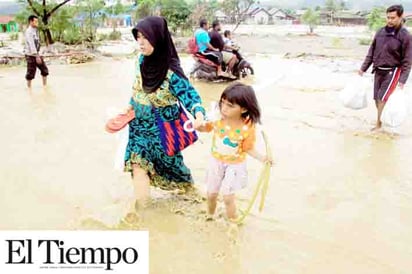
(144, 147)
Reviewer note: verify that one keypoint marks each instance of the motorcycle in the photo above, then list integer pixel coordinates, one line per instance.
(206, 69)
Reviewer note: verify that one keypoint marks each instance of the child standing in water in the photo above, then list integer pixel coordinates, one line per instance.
(234, 136)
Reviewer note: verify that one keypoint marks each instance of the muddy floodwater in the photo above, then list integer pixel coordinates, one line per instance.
(340, 197)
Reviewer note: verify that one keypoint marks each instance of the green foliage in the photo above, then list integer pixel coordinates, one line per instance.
(408, 23)
(62, 25)
(331, 5)
(102, 37)
(311, 18)
(118, 8)
(14, 36)
(72, 36)
(342, 5)
(61, 21)
(176, 13)
(115, 10)
(92, 10)
(115, 35)
(45, 10)
(337, 42)
(290, 12)
(200, 10)
(376, 19)
(145, 8)
(21, 17)
(365, 41)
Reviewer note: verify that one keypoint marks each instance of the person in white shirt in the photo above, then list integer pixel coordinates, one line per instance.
(31, 51)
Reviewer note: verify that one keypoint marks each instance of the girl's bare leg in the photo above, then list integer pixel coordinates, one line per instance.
(230, 206)
(211, 204)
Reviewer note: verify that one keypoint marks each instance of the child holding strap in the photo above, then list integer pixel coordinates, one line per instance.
(234, 136)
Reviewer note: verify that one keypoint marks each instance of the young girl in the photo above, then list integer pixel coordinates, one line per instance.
(227, 38)
(234, 137)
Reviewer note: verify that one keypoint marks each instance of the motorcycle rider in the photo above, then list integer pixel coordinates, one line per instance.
(206, 49)
(230, 45)
(216, 40)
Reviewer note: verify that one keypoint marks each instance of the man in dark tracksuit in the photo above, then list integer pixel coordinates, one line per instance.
(391, 55)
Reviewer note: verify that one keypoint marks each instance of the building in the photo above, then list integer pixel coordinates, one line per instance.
(344, 18)
(7, 12)
(7, 24)
(258, 16)
(221, 16)
(278, 16)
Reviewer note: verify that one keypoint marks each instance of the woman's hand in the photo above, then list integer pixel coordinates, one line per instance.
(127, 109)
(199, 121)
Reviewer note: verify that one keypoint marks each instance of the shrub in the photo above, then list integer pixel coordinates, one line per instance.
(14, 36)
(102, 37)
(72, 36)
(115, 35)
(365, 41)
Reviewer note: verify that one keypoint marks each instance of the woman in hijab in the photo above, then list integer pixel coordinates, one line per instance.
(160, 82)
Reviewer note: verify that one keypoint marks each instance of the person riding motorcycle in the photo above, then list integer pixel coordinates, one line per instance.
(216, 40)
(230, 45)
(206, 49)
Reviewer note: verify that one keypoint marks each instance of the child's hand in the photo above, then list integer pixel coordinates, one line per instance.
(268, 159)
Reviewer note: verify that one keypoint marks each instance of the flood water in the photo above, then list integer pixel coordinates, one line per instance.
(340, 197)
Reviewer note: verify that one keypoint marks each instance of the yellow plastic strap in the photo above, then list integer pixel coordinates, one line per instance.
(262, 185)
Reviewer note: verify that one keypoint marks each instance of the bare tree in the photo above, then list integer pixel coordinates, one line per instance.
(237, 10)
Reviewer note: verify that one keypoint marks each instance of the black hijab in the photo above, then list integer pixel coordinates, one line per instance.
(154, 68)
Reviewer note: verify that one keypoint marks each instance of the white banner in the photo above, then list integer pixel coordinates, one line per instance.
(77, 252)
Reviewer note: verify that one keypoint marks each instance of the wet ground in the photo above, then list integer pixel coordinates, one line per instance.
(340, 197)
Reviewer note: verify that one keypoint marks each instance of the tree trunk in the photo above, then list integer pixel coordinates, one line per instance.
(45, 18)
(236, 26)
(49, 39)
(47, 33)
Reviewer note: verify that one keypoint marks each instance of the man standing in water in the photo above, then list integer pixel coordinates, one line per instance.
(31, 51)
(390, 53)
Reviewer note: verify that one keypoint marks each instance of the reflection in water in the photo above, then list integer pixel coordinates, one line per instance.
(339, 199)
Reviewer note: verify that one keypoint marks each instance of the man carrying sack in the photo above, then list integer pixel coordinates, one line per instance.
(390, 53)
